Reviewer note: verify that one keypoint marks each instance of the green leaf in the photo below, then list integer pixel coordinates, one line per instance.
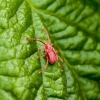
(74, 29)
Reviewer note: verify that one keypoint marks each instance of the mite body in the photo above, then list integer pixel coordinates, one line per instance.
(50, 52)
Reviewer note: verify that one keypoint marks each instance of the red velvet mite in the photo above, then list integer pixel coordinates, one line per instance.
(50, 52)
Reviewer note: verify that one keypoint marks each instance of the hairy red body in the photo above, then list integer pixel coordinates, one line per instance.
(50, 52)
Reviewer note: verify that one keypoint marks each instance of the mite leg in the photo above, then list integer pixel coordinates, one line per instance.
(44, 67)
(62, 63)
(40, 49)
(57, 51)
(47, 34)
(52, 45)
(41, 56)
